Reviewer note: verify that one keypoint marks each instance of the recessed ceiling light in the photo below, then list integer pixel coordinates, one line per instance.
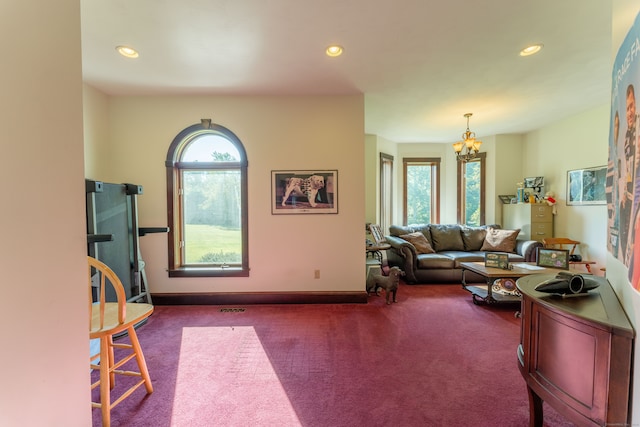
(127, 51)
(334, 50)
(531, 50)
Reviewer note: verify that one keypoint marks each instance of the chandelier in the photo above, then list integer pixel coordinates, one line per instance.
(469, 144)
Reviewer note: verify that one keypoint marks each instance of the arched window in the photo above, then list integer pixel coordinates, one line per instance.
(207, 203)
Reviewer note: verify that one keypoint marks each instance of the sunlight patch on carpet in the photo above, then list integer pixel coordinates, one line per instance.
(221, 368)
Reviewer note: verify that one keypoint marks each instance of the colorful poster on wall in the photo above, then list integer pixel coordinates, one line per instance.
(623, 170)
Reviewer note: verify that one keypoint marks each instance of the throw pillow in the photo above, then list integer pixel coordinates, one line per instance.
(420, 242)
(500, 240)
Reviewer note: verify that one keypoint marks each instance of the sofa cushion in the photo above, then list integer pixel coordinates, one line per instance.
(398, 230)
(435, 262)
(446, 237)
(424, 229)
(500, 240)
(464, 256)
(419, 241)
(473, 237)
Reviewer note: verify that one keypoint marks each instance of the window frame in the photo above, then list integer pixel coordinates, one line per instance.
(174, 167)
(461, 186)
(435, 163)
(386, 191)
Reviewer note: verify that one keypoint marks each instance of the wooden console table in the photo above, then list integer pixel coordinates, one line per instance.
(575, 353)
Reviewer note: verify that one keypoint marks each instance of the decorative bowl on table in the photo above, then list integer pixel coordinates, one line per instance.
(505, 286)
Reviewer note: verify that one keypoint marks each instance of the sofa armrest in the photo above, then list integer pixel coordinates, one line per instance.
(528, 249)
(400, 244)
(403, 254)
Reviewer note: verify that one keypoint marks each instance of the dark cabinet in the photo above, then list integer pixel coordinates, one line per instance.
(575, 353)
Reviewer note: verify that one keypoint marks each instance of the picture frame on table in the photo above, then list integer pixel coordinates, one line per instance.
(496, 260)
(553, 258)
(587, 186)
(507, 198)
(299, 192)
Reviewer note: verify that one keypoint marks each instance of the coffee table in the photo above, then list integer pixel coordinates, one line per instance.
(483, 293)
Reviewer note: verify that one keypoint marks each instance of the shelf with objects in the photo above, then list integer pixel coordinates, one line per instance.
(531, 210)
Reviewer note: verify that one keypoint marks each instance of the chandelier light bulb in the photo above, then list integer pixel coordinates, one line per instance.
(469, 142)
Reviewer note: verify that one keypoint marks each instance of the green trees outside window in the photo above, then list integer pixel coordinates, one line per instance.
(471, 190)
(421, 195)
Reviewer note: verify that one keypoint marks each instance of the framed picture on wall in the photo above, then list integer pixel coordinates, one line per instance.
(534, 182)
(587, 186)
(304, 192)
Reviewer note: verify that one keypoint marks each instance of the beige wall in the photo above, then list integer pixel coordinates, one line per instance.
(43, 308)
(279, 133)
(577, 142)
(97, 157)
(508, 156)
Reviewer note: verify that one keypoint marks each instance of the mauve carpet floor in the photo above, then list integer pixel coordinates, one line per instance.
(432, 359)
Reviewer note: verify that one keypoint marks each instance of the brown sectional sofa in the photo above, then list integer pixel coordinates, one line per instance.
(452, 244)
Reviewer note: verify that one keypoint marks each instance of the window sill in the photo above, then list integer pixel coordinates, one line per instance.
(209, 272)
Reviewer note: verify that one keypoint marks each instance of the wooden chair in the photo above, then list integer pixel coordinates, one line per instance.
(377, 235)
(379, 246)
(569, 244)
(107, 319)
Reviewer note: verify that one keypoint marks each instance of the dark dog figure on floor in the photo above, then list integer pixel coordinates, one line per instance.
(389, 283)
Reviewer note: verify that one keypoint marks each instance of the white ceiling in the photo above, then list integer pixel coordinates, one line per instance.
(421, 64)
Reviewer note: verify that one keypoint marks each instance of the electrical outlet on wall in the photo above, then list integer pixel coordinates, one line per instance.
(316, 274)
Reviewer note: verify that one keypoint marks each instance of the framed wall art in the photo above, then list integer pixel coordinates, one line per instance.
(587, 186)
(553, 258)
(534, 182)
(304, 192)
